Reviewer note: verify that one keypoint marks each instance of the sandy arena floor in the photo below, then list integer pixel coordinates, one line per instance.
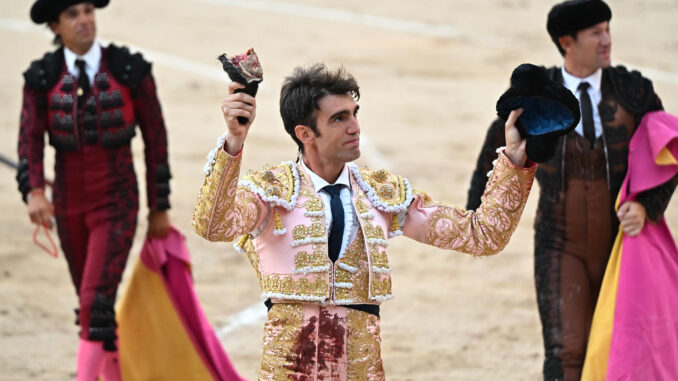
(430, 73)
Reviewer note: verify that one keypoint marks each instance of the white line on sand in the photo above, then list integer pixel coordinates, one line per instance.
(250, 315)
(338, 15)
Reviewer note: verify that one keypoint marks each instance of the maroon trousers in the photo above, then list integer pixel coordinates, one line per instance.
(96, 205)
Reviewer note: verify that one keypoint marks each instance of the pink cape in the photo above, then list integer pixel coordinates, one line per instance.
(163, 331)
(634, 335)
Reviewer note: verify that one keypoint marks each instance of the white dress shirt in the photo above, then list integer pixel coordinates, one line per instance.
(572, 83)
(92, 61)
(350, 216)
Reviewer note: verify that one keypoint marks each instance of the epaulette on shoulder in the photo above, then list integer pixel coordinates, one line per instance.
(278, 185)
(634, 92)
(43, 73)
(129, 69)
(387, 192)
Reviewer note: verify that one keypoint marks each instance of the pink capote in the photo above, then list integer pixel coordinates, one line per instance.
(644, 344)
(169, 258)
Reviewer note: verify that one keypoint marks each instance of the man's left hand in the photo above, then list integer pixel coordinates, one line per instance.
(515, 144)
(158, 223)
(632, 217)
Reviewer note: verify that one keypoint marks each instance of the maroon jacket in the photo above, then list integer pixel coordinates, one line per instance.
(123, 95)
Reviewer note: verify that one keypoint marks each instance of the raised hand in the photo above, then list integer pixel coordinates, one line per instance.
(515, 144)
(234, 106)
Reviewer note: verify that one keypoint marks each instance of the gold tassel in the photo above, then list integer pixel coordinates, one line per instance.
(395, 226)
(243, 240)
(279, 228)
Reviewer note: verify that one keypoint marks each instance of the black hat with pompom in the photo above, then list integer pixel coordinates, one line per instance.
(550, 110)
(571, 16)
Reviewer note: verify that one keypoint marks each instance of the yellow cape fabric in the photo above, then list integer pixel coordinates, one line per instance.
(154, 344)
(598, 349)
(665, 158)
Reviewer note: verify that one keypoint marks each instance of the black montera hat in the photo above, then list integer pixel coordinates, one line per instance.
(571, 16)
(48, 10)
(550, 110)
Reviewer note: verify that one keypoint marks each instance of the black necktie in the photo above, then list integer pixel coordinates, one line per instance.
(337, 228)
(587, 113)
(83, 82)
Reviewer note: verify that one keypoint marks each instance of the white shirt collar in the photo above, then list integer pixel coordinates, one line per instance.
(319, 183)
(572, 82)
(92, 60)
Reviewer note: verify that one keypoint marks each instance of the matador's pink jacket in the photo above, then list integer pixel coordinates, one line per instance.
(278, 220)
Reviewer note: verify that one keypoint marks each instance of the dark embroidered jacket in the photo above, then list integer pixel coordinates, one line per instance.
(122, 96)
(626, 97)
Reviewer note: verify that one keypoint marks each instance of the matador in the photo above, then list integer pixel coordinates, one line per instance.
(316, 231)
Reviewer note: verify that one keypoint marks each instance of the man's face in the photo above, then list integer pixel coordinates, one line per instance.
(77, 27)
(592, 47)
(338, 139)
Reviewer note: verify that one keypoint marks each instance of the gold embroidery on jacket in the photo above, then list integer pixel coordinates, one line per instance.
(314, 205)
(381, 285)
(315, 230)
(378, 257)
(355, 259)
(373, 231)
(284, 285)
(304, 260)
(360, 205)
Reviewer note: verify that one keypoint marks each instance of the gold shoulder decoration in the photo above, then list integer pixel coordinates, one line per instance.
(387, 192)
(278, 185)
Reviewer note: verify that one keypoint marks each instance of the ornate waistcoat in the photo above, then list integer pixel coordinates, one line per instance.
(107, 116)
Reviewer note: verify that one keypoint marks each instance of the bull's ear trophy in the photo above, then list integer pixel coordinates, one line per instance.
(246, 70)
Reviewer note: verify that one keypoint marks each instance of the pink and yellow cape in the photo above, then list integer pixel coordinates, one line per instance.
(163, 332)
(634, 334)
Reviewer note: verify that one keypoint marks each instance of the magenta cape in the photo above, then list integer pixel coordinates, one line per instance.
(634, 335)
(164, 334)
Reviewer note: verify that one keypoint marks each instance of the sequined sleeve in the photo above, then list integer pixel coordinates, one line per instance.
(483, 232)
(225, 211)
